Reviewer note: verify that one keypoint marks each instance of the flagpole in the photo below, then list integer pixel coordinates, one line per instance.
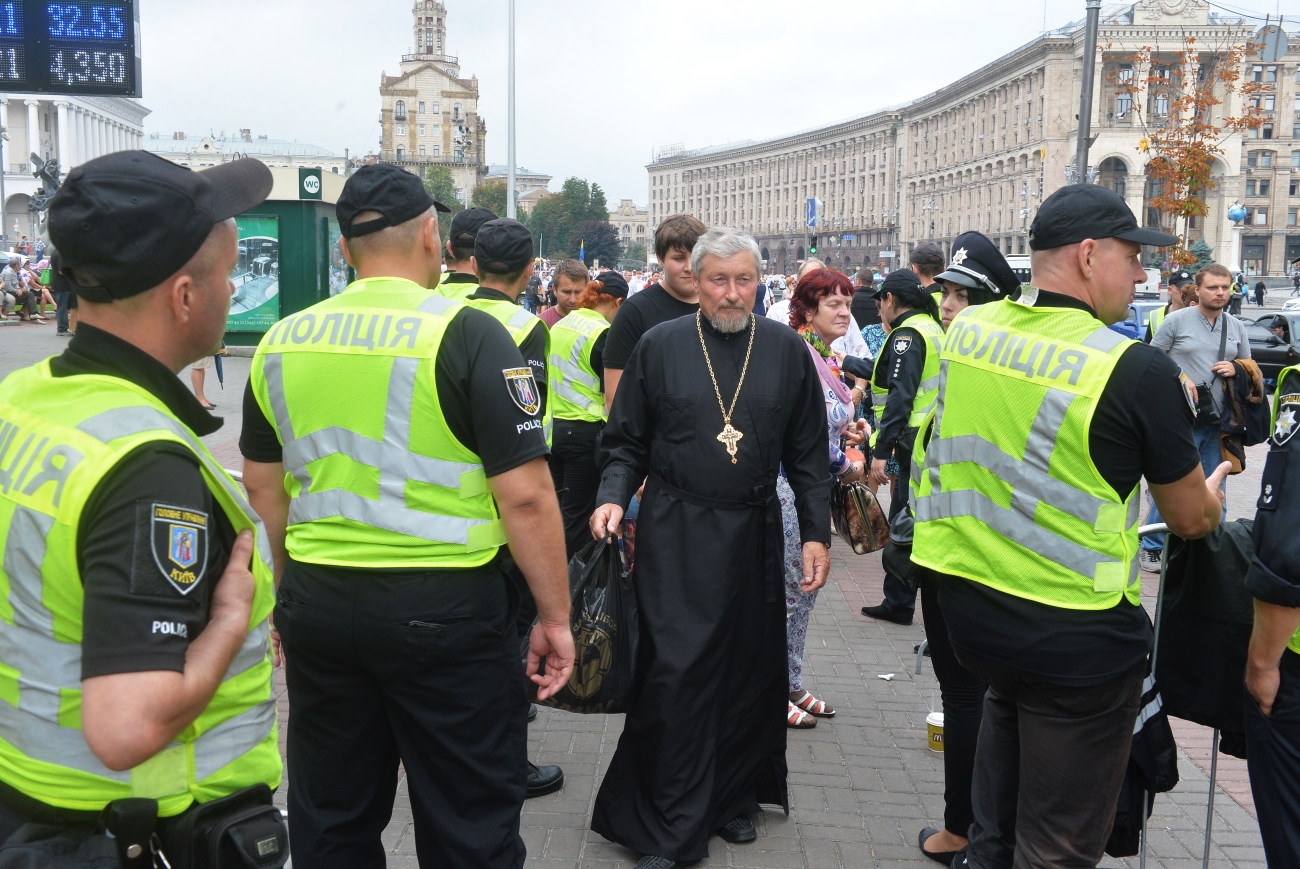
(510, 171)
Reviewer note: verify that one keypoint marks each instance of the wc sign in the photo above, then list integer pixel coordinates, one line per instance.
(309, 184)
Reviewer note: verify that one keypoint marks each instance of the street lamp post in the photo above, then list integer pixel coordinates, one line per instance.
(511, 204)
(4, 137)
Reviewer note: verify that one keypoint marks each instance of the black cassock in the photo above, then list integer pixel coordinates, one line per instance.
(705, 738)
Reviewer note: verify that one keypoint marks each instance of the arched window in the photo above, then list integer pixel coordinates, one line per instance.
(401, 152)
(455, 111)
(399, 111)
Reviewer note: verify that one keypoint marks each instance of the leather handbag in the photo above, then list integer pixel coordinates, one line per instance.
(858, 518)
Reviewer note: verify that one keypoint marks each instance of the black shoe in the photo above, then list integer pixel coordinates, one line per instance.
(650, 862)
(543, 780)
(532, 711)
(738, 829)
(944, 857)
(882, 612)
(917, 648)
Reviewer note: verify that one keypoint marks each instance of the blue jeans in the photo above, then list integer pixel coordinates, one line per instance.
(1207, 444)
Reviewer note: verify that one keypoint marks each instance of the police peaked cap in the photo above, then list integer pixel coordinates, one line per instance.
(978, 264)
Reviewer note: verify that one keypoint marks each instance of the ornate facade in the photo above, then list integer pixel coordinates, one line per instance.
(982, 152)
(429, 114)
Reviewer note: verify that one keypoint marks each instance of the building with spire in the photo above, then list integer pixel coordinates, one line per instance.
(429, 113)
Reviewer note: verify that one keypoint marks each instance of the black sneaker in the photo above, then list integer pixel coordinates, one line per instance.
(738, 829)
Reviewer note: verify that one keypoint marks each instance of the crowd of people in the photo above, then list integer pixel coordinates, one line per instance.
(426, 450)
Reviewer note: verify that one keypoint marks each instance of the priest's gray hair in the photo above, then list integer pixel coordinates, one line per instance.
(724, 242)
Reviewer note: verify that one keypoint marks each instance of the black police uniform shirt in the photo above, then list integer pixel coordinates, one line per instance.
(480, 408)
(1274, 574)
(136, 616)
(1142, 427)
(533, 349)
(902, 363)
(638, 315)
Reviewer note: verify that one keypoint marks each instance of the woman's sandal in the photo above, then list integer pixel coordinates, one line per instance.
(810, 704)
(796, 717)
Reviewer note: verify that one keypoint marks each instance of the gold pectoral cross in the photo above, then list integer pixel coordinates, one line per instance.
(729, 436)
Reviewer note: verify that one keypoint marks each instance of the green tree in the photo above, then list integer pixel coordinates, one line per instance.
(491, 194)
(556, 218)
(1203, 252)
(441, 185)
(600, 241)
(635, 253)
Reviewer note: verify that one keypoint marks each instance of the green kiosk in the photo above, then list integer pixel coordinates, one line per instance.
(289, 257)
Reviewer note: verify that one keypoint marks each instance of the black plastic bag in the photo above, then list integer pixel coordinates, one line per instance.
(605, 629)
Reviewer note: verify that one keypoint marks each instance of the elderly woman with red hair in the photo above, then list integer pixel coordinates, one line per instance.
(819, 312)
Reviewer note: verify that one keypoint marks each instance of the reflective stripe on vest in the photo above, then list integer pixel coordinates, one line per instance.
(927, 390)
(1013, 505)
(369, 491)
(74, 431)
(457, 291)
(575, 388)
(1157, 317)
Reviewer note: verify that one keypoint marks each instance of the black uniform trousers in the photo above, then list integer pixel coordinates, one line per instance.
(900, 595)
(1273, 746)
(1048, 767)
(962, 694)
(417, 668)
(576, 473)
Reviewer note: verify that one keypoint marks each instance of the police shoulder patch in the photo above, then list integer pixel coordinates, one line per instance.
(902, 344)
(1288, 419)
(522, 386)
(179, 540)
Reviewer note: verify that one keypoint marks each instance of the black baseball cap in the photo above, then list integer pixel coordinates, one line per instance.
(466, 224)
(503, 246)
(895, 281)
(615, 284)
(927, 253)
(397, 195)
(1079, 211)
(131, 219)
(1181, 277)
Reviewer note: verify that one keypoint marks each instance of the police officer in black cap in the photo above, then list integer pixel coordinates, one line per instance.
(1182, 290)
(977, 274)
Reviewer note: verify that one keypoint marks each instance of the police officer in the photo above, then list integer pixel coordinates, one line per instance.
(1179, 281)
(503, 261)
(1027, 509)
(905, 381)
(1273, 663)
(460, 279)
(392, 444)
(577, 371)
(135, 642)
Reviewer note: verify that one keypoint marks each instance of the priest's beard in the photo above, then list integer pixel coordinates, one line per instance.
(729, 319)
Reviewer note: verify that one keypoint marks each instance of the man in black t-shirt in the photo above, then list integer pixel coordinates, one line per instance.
(658, 303)
(1034, 558)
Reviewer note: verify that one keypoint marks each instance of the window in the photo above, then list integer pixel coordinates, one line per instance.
(420, 108)
(1251, 187)
(400, 129)
(1257, 216)
(1294, 189)
(437, 108)
(420, 129)
(1266, 74)
(399, 111)
(422, 151)
(1123, 103)
(401, 153)
(1259, 159)
(1266, 159)
(437, 150)
(1291, 215)
(1295, 158)
(455, 110)
(1162, 105)
(1257, 187)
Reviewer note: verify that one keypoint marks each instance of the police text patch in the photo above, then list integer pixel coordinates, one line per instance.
(179, 540)
(522, 387)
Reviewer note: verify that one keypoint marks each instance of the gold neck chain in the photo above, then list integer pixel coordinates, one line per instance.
(729, 435)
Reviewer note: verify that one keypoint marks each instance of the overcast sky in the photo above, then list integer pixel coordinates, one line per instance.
(601, 83)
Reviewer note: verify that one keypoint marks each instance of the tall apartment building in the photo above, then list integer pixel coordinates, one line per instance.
(983, 152)
(428, 113)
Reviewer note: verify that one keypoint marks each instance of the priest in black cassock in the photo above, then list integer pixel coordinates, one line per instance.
(709, 407)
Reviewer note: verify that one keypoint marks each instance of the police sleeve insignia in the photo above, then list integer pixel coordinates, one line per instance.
(1287, 423)
(179, 539)
(522, 386)
(901, 344)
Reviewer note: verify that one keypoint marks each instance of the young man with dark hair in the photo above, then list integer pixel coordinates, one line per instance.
(673, 297)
